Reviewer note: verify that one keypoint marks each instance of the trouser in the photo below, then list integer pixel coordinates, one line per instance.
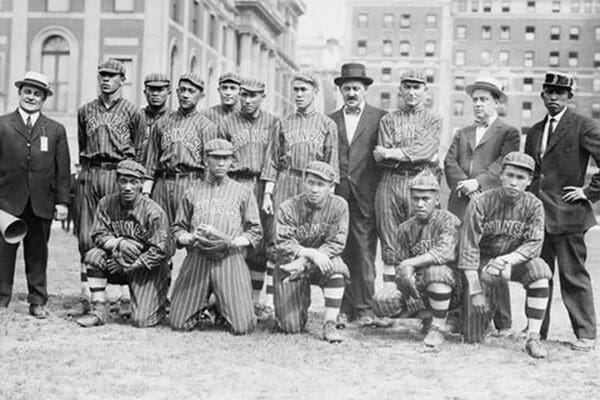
(35, 251)
(569, 251)
(168, 192)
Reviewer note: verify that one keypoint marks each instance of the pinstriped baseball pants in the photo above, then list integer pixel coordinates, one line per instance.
(168, 193)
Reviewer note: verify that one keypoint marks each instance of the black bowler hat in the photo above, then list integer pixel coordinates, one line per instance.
(353, 72)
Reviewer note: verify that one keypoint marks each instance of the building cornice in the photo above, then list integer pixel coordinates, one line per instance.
(269, 14)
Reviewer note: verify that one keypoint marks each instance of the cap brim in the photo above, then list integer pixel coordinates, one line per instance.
(157, 84)
(556, 85)
(128, 172)
(502, 98)
(341, 79)
(318, 174)
(219, 153)
(252, 89)
(111, 71)
(230, 81)
(520, 165)
(40, 86)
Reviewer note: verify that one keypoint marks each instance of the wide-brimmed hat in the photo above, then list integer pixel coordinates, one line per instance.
(37, 80)
(559, 79)
(491, 85)
(353, 72)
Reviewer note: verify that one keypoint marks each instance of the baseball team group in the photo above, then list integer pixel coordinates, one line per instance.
(257, 200)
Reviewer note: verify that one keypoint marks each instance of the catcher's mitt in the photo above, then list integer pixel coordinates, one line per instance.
(213, 243)
(406, 281)
(491, 273)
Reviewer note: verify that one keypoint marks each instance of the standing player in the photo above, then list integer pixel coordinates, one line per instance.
(157, 88)
(473, 164)
(426, 275)
(300, 138)
(358, 128)
(562, 145)
(408, 143)
(176, 145)
(107, 129)
(311, 231)
(130, 235)
(229, 93)
(501, 239)
(250, 130)
(216, 205)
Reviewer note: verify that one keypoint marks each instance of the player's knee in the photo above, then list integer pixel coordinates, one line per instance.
(387, 302)
(537, 269)
(95, 258)
(441, 274)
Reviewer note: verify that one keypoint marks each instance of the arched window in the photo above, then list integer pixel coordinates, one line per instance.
(194, 64)
(55, 65)
(174, 68)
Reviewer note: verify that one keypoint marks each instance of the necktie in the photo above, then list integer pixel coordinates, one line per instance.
(29, 125)
(352, 110)
(482, 123)
(551, 123)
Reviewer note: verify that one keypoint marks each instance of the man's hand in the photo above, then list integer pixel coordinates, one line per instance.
(240, 241)
(113, 266)
(186, 239)
(320, 259)
(130, 249)
(467, 186)
(267, 205)
(573, 194)
(406, 271)
(379, 153)
(479, 304)
(60, 212)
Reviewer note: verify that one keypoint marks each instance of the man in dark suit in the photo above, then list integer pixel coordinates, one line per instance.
(561, 145)
(34, 186)
(358, 126)
(473, 165)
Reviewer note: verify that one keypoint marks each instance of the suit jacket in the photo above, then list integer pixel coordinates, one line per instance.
(564, 163)
(359, 175)
(482, 162)
(27, 172)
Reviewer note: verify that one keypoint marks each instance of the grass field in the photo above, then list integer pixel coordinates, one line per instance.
(55, 359)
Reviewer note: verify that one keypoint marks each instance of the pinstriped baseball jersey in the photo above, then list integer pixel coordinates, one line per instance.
(108, 133)
(217, 114)
(148, 119)
(144, 222)
(495, 225)
(415, 131)
(437, 237)
(176, 142)
(250, 138)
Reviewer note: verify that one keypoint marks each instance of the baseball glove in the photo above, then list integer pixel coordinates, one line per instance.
(213, 243)
(406, 280)
(491, 273)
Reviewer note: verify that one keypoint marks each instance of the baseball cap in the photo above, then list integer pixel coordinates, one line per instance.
(131, 168)
(413, 75)
(157, 79)
(218, 147)
(252, 85)
(425, 180)
(321, 169)
(194, 79)
(112, 66)
(518, 159)
(308, 77)
(229, 77)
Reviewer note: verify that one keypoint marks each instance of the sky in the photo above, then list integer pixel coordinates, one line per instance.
(323, 17)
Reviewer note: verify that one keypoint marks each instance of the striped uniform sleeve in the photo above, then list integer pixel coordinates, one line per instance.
(425, 146)
(157, 240)
(183, 217)
(136, 131)
(470, 236)
(444, 251)
(101, 230)
(210, 130)
(272, 154)
(534, 237)
(403, 242)
(335, 242)
(331, 149)
(385, 138)
(286, 238)
(251, 218)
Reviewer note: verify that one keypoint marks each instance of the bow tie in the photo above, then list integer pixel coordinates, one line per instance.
(482, 123)
(352, 110)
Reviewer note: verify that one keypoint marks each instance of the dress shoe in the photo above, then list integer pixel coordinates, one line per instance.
(38, 311)
(583, 344)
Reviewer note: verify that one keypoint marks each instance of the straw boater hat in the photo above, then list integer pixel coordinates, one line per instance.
(353, 72)
(491, 85)
(37, 80)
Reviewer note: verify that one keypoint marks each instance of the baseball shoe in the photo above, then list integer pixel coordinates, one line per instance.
(534, 346)
(364, 320)
(434, 337)
(583, 344)
(263, 312)
(96, 317)
(504, 333)
(125, 309)
(80, 308)
(331, 333)
(342, 321)
(38, 311)
(383, 322)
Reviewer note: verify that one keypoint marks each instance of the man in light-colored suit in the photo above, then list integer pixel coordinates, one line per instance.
(358, 127)
(474, 162)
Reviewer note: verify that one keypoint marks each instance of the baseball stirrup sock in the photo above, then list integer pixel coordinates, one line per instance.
(270, 288)
(333, 292)
(439, 295)
(536, 304)
(389, 275)
(97, 288)
(125, 294)
(258, 279)
(85, 287)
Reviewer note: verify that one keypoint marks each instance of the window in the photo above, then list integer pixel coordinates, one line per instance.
(212, 31)
(362, 21)
(487, 6)
(528, 59)
(485, 58)
(174, 67)
(460, 57)
(224, 40)
(526, 109)
(555, 33)
(486, 32)
(573, 59)
(598, 33)
(554, 59)
(384, 100)
(505, 32)
(587, 6)
(196, 18)
(527, 84)
(475, 5)
(596, 110)
(505, 6)
(429, 75)
(404, 48)
(459, 83)
(57, 5)
(531, 6)
(55, 65)
(405, 21)
(123, 5)
(175, 10)
(503, 58)
(555, 6)
(574, 33)
(362, 47)
(127, 85)
(596, 85)
(387, 47)
(461, 32)
(596, 60)
(429, 48)
(386, 74)
(462, 5)
(194, 64)
(459, 108)
(431, 21)
(529, 32)
(388, 21)
(575, 6)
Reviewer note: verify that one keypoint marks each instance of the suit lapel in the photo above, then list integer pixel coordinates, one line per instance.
(338, 118)
(39, 127)
(560, 131)
(471, 137)
(490, 132)
(362, 122)
(19, 125)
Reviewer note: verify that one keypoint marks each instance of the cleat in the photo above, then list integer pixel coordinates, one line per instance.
(583, 345)
(434, 337)
(96, 317)
(504, 333)
(342, 321)
(331, 333)
(263, 312)
(125, 309)
(80, 308)
(535, 348)
(38, 311)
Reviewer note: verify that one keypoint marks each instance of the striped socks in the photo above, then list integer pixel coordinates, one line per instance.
(389, 276)
(258, 279)
(270, 288)
(536, 304)
(85, 287)
(97, 283)
(439, 295)
(333, 292)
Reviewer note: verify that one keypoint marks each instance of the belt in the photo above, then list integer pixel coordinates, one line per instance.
(245, 175)
(409, 169)
(294, 171)
(197, 174)
(93, 164)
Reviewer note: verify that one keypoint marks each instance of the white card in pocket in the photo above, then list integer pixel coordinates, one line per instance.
(44, 143)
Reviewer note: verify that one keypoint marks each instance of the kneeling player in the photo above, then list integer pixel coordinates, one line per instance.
(311, 231)
(426, 276)
(130, 234)
(501, 240)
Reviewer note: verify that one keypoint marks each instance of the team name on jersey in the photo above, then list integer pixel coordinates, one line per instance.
(220, 206)
(405, 134)
(186, 137)
(311, 231)
(111, 121)
(244, 137)
(304, 136)
(128, 228)
(422, 247)
(516, 229)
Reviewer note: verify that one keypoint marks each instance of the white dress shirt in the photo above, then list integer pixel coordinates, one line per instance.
(351, 121)
(480, 130)
(24, 115)
(557, 118)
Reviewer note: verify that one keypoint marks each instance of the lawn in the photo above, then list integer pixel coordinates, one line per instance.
(56, 359)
